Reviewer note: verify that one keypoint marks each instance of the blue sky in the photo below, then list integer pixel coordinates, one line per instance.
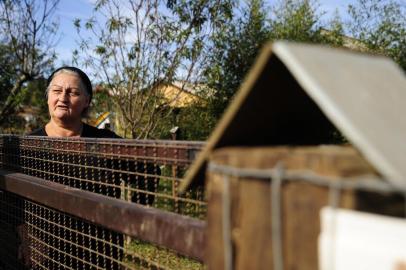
(68, 10)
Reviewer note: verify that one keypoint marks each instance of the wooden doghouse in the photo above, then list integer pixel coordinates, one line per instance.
(268, 175)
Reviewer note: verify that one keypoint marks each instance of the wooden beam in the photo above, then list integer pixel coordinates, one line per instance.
(180, 233)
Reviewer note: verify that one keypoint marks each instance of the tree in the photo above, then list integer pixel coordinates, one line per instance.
(235, 51)
(238, 47)
(381, 27)
(26, 32)
(33, 97)
(137, 45)
(301, 21)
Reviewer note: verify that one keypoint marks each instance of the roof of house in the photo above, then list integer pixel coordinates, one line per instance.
(295, 93)
(182, 94)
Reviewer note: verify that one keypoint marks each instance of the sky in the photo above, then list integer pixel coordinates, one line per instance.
(66, 13)
(68, 10)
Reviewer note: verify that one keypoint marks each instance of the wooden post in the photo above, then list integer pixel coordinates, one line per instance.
(250, 205)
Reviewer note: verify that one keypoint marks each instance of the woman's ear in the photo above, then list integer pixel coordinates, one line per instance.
(88, 100)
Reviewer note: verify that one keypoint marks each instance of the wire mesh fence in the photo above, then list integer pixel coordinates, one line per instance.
(110, 233)
(143, 172)
(37, 237)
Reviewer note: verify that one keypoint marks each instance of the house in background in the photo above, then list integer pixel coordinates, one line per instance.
(180, 94)
(173, 96)
(102, 121)
(348, 42)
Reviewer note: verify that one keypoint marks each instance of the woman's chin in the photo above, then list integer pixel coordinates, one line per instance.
(63, 117)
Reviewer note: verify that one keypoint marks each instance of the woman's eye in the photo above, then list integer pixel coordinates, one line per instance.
(74, 94)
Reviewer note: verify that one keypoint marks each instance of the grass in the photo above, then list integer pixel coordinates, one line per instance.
(143, 255)
(168, 199)
(190, 209)
(154, 257)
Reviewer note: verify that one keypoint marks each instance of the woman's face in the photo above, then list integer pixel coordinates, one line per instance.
(66, 98)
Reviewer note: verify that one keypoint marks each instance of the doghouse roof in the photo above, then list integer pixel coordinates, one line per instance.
(295, 93)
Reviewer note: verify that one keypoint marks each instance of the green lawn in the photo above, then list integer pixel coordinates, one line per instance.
(142, 255)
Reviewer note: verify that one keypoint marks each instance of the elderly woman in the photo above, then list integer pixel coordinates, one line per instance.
(69, 93)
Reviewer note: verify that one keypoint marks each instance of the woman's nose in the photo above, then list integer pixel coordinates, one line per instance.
(63, 96)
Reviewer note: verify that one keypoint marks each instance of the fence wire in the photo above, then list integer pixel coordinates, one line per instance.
(143, 172)
(34, 236)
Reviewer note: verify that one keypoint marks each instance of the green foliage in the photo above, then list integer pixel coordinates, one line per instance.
(195, 123)
(6, 70)
(237, 46)
(214, 42)
(335, 35)
(377, 25)
(295, 20)
(76, 23)
(380, 26)
(33, 97)
(155, 42)
(301, 21)
(26, 34)
(235, 51)
(101, 50)
(30, 100)
(13, 123)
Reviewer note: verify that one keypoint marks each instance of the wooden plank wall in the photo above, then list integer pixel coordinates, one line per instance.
(250, 205)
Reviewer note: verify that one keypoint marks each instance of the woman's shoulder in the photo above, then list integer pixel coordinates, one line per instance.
(93, 132)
